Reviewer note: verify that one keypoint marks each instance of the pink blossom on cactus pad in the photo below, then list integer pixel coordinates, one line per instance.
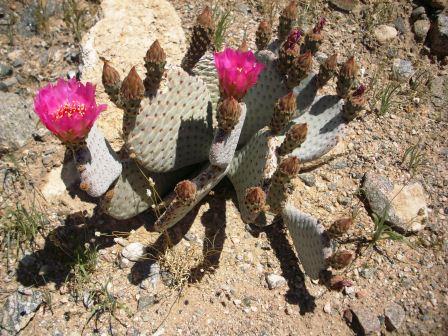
(68, 109)
(238, 71)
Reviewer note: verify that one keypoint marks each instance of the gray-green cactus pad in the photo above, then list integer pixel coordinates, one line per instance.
(100, 165)
(205, 182)
(310, 240)
(325, 128)
(130, 193)
(173, 129)
(206, 70)
(224, 144)
(252, 165)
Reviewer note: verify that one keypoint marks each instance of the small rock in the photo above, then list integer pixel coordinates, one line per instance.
(439, 36)
(16, 55)
(308, 179)
(18, 63)
(438, 87)
(364, 321)
(5, 70)
(395, 316)
(8, 83)
(406, 205)
(418, 13)
(275, 281)
(402, 70)
(385, 33)
(18, 310)
(342, 200)
(18, 121)
(421, 29)
(133, 251)
(345, 5)
(146, 301)
(327, 308)
(121, 241)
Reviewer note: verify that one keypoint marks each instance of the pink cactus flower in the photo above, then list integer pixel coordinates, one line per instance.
(68, 109)
(238, 71)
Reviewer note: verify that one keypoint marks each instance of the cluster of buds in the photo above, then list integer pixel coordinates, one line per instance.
(201, 39)
(348, 77)
(155, 61)
(289, 50)
(327, 70)
(280, 187)
(355, 103)
(263, 35)
(314, 38)
(284, 110)
(286, 20)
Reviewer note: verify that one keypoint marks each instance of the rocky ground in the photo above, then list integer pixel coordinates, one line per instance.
(82, 273)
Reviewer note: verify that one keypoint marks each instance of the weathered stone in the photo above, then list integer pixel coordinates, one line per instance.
(346, 5)
(405, 206)
(402, 70)
(364, 322)
(17, 120)
(146, 301)
(308, 179)
(439, 36)
(134, 251)
(418, 13)
(439, 89)
(18, 310)
(59, 179)
(395, 316)
(122, 36)
(275, 281)
(421, 29)
(5, 70)
(385, 33)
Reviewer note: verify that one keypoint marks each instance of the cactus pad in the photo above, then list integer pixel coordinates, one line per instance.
(97, 163)
(129, 196)
(224, 144)
(173, 129)
(252, 165)
(310, 240)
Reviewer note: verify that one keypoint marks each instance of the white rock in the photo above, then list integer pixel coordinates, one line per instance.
(122, 36)
(327, 308)
(385, 33)
(275, 281)
(59, 179)
(133, 251)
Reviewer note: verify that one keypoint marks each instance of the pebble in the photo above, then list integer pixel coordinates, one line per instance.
(385, 33)
(394, 315)
(5, 70)
(418, 13)
(421, 29)
(275, 281)
(327, 308)
(8, 83)
(308, 179)
(133, 251)
(365, 321)
(402, 70)
(146, 301)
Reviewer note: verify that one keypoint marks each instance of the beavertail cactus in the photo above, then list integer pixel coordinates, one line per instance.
(255, 118)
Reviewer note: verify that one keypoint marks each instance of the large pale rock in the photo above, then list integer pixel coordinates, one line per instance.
(123, 36)
(406, 205)
(385, 33)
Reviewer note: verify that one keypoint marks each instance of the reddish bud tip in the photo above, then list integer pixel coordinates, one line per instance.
(243, 47)
(293, 38)
(287, 103)
(359, 91)
(185, 191)
(340, 259)
(290, 11)
(337, 283)
(340, 226)
(132, 87)
(205, 19)
(155, 53)
(319, 26)
(350, 68)
(298, 132)
(305, 61)
(264, 27)
(332, 62)
(290, 166)
(110, 76)
(256, 196)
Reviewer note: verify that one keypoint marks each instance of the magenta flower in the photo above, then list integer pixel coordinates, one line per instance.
(68, 109)
(238, 71)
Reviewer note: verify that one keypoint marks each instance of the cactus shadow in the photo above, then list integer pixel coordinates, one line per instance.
(306, 93)
(62, 244)
(297, 293)
(194, 138)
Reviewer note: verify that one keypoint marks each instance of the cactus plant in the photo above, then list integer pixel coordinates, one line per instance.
(220, 113)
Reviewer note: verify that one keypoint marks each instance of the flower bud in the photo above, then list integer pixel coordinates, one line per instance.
(132, 87)
(350, 68)
(286, 20)
(255, 201)
(185, 191)
(228, 114)
(110, 77)
(263, 35)
(340, 259)
(290, 166)
(155, 53)
(283, 112)
(340, 226)
(295, 136)
(337, 283)
(205, 19)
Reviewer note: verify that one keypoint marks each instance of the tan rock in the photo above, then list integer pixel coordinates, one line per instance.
(123, 36)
